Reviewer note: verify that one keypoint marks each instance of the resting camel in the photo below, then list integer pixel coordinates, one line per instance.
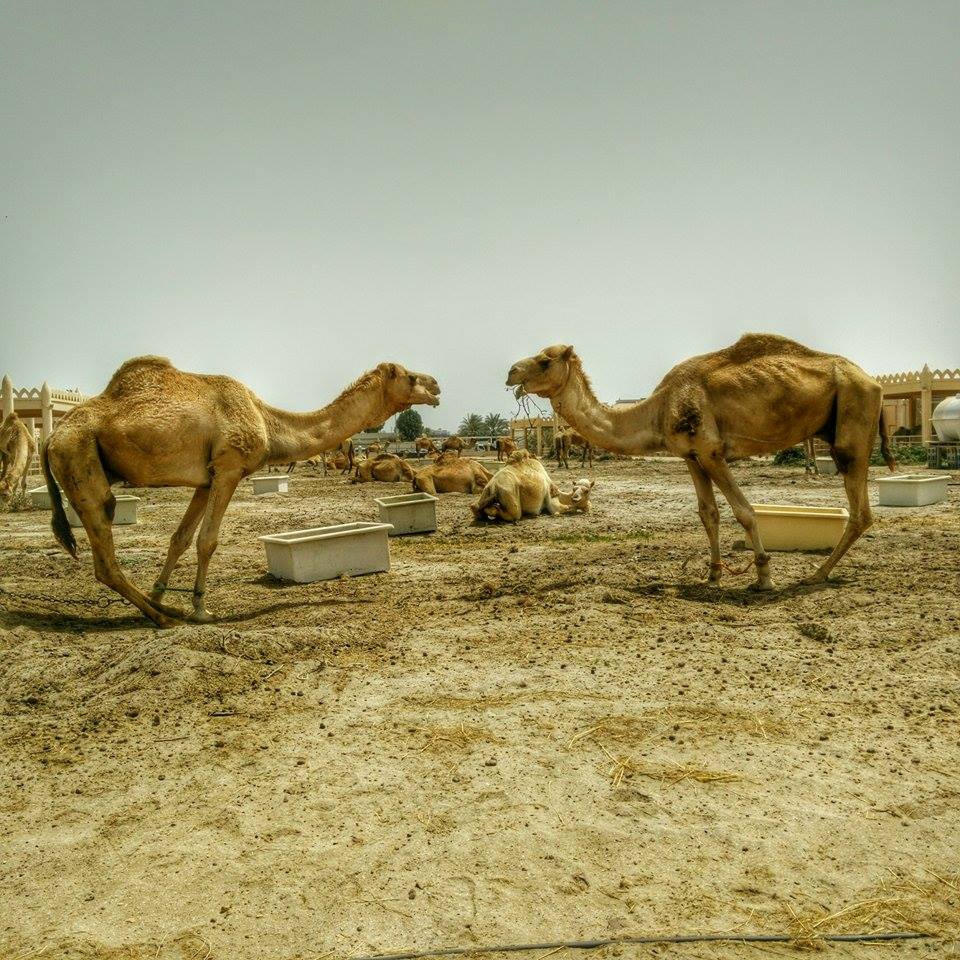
(570, 438)
(387, 468)
(579, 497)
(505, 446)
(427, 445)
(451, 473)
(17, 448)
(758, 396)
(522, 486)
(156, 426)
(458, 444)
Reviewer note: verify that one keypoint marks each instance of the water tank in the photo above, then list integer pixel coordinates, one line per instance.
(946, 419)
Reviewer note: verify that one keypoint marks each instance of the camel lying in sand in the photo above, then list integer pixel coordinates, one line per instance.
(451, 473)
(521, 487)
(387, 468)
(17, 448)
(579, 497)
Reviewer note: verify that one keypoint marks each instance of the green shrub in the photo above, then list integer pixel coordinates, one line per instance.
(790, 457)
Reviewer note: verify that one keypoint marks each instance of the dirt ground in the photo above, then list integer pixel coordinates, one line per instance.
(540, 732)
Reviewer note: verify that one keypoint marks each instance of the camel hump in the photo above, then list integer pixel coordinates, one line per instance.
(135, 369)
(753, 345)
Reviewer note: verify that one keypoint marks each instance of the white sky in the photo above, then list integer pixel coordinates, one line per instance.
(292, 192)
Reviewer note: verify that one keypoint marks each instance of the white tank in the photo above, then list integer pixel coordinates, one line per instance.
(946, 419)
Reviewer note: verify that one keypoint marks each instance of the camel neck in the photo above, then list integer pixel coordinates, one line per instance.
(631, 428)
(298, 436)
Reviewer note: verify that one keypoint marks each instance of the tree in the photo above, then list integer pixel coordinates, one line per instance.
(495, 425)
(409, 424)
(471, 425)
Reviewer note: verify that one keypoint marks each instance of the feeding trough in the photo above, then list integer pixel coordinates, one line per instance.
(323, 553)
(124, 513)
(40, 497)
(912, 489)
(409, 513)
(826, 467)
(784, 527)
(272, 483)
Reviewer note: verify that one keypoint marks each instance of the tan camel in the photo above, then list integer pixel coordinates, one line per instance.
(387, 468)
(427, 445)
(521, 486)
(458, 444)
(17, 448)
(758, 396)
(579, 496)
(505, 446)
(451, 473)
(156, 426)
(810, 467)
(566, 439)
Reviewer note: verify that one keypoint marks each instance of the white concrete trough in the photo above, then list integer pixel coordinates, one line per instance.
(324, 553)
(913, 489)
(409, 513)
(788, 527)
(125, 512)
(826, 466)
(271, 483)
(40, 497)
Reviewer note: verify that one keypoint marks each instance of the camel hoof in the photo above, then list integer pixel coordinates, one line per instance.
(813, 580)
(201, 616)
(762, 587)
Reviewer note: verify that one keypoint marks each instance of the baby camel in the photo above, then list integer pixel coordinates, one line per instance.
(758, 396)
(156, 426)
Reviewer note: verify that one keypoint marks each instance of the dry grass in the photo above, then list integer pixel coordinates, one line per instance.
(452, 739)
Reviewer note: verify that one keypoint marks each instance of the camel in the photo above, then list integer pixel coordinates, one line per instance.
(758, 396)
(579, 496)
(425, 444)
(522, 486)
(451, 473)
(156, 426)
(458, 444)
(17, 448)
(566, 439)
(505, 446)
(387, 468)
(810, 467)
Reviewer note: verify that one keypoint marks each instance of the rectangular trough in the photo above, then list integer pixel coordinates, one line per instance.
(125, 512)
(912, 489)
(271, 483)
(324, 553)
(409, 513)
(826, 466)
(788, 527)
(40, 497)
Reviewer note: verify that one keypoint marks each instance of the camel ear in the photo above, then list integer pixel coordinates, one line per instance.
(391, 370)
(567, 353)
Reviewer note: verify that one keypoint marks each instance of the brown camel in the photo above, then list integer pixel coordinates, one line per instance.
(810, 467)
(156, 426)
(521, 487)
(451, 473)
(505, 446)
(17, 448)
(758, 396)
(387, 468)
(425, 444)
(458, 444)
(566, 439)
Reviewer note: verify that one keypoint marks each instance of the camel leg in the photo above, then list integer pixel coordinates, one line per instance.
(221, 492)
(709, 514)
(855, 483)
(181, 540)
(719, 472)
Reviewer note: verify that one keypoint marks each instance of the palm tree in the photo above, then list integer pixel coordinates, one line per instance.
(495, 425)
(471, 425)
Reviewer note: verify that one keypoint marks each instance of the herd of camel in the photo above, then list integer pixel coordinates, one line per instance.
(157, 426)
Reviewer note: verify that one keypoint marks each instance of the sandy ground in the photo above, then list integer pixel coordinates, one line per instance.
(548, 731)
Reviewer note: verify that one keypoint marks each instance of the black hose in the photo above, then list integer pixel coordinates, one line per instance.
(683, 938)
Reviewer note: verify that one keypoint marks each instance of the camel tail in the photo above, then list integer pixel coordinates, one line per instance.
(59, 522)
(885, 451)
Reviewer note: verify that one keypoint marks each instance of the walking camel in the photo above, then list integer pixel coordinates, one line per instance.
(156, 426)
(758, 396)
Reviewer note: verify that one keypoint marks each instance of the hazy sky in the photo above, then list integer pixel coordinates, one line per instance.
(292, 192)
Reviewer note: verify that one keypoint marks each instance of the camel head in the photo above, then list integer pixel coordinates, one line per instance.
(403, 388)
(544, 374)
(580, 498)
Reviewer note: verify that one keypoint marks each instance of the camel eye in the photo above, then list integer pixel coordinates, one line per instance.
(544, 364)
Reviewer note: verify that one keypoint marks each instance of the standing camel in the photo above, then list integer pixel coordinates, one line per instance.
(17, 448)
(458, 444)
(156, 426)
(424, 444)
(505, 446)
(566, 439)
(758, 396)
